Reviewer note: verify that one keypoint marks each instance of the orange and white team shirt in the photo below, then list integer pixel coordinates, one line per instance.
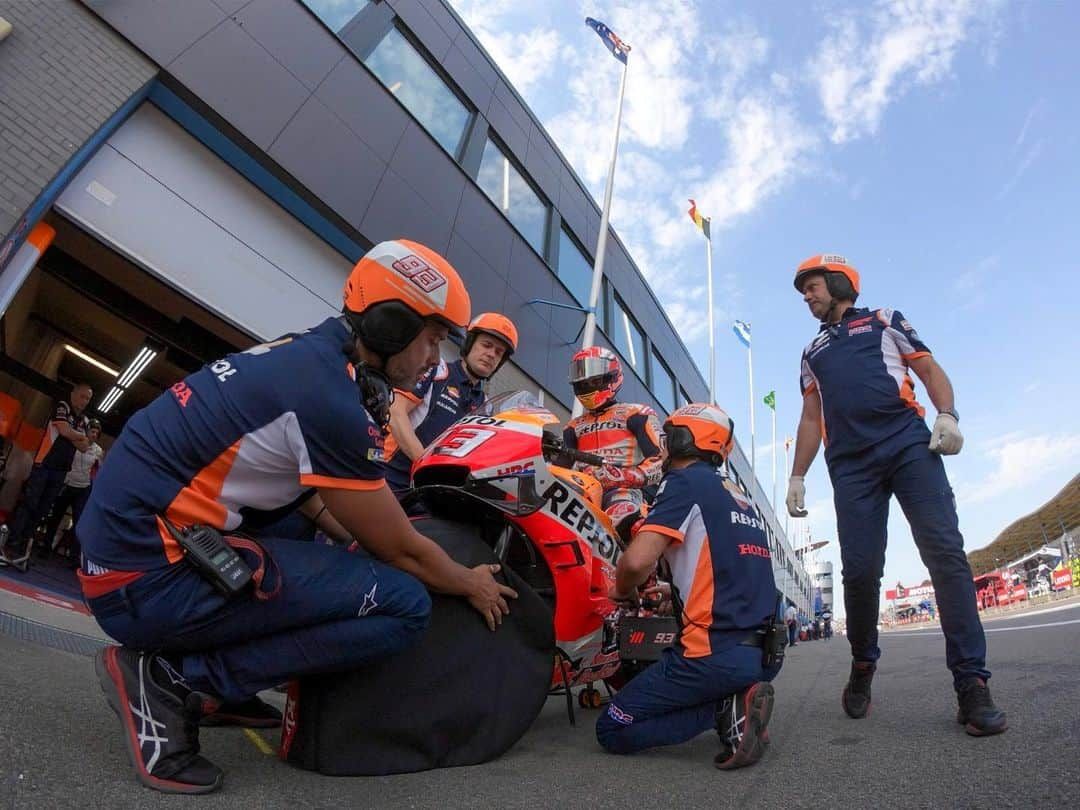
(859, 366)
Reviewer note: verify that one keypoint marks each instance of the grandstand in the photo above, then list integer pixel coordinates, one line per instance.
(1057, 517)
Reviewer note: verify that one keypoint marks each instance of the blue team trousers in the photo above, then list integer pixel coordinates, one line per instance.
(675, 699)
(335, 611)
(38, 495)
(862, 487)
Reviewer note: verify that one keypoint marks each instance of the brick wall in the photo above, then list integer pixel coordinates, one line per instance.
(63, 72)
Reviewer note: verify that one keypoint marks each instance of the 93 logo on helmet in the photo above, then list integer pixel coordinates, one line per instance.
(420, 273)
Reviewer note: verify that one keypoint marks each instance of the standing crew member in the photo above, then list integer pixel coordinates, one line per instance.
(65, 434)
(859, 398)
(447, 392)
(260, 430)
(626, 436)
(723, 594)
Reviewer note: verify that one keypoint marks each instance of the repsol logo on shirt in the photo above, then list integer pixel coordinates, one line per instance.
(747, 520)
(593, 427)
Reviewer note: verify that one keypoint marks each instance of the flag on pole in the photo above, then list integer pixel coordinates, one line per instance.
(787, 442)
(742, 332)
(699, 220)
(618, 48)
(770, 400)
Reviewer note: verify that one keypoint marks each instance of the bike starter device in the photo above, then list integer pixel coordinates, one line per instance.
(215, 560)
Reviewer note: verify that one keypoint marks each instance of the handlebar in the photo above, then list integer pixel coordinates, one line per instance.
(553, 446)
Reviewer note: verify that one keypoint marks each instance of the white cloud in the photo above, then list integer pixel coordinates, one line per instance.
(909, 42)
(1030, 156)
(1020, 461)
(525, 56)
(973, 279)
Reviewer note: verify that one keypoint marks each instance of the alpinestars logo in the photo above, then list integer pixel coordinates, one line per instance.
(369, 601)
(149, 729)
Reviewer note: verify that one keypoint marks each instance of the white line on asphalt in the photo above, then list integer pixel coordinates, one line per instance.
(990, 629)
(1053, 609)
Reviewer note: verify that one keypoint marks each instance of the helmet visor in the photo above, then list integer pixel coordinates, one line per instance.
(591, 385)
(584, 368)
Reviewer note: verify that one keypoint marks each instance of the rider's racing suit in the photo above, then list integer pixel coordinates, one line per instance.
(627, 436)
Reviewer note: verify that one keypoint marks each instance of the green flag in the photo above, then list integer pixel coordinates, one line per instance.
(770, 399)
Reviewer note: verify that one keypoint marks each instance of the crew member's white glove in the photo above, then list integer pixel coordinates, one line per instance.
(796, 497)
(945, 437)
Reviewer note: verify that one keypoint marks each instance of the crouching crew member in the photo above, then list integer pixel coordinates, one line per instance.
(715, 676)
(259, 430)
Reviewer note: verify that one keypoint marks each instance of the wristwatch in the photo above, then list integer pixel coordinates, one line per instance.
(953, 413)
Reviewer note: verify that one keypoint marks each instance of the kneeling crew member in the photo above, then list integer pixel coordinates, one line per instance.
(259, 430)
(723, 593)
(447, 392)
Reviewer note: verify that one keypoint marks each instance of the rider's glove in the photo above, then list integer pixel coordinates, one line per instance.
(796, 497)
(612, 477)
(945, 437)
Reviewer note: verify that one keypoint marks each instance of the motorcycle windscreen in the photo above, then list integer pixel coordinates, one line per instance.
(461, 696)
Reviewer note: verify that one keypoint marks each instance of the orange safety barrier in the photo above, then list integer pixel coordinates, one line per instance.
(10, 415)
(29, 437)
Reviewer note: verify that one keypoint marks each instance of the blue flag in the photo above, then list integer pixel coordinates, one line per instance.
(618, 48)
(742, 332)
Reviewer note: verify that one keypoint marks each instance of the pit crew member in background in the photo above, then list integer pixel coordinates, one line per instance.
(858, 397)
(447, 392)
(724, 595)
(258, 430)
(626, 436)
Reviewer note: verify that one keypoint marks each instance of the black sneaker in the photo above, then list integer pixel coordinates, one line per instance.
(253, 713)
(977, 711)
(742, 722)
(856, 697)
(159, 719)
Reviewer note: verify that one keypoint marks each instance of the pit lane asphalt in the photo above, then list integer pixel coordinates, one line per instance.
(60, 745)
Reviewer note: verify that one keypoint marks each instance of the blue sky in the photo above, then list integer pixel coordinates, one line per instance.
(929, 141)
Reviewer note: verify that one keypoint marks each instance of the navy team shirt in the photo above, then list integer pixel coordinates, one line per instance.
(256, 430)
(443, 395)
(721, 567)
(859, 366)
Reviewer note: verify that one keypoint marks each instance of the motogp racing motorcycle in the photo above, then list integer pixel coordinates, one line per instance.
(495, 469)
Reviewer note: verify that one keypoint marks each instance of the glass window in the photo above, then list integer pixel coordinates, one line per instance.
(576, 272)
(336, 14)
(628, 338)
(511, 192)
(684, 398)
(663, 384)
(408, 76)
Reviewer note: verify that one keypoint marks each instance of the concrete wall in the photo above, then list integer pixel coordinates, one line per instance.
(63, 73)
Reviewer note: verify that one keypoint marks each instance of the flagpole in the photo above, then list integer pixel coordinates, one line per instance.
(601, 241)
(712, 337)
(774, 456)
(753, 450)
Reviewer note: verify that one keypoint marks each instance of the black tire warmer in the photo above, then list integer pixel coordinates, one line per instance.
(461, 696)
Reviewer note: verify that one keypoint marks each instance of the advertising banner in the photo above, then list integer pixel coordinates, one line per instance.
(1063, 578)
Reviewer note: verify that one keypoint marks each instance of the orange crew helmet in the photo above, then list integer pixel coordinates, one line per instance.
(841, 279)
(395, 288)
(701, 430)
(496, 325)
